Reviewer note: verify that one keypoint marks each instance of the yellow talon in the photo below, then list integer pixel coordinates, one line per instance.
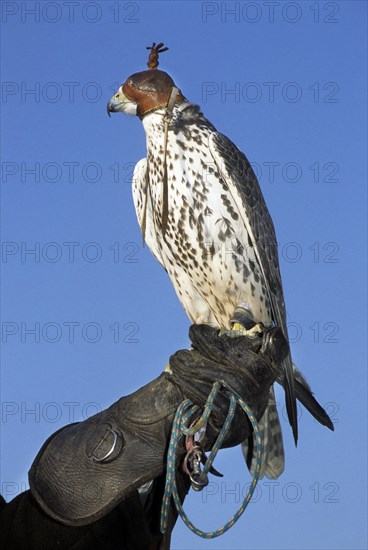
(238, 330)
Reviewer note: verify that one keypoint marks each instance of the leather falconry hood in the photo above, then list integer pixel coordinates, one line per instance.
(151, 89)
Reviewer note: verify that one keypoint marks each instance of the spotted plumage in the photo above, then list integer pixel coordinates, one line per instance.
(206, 249)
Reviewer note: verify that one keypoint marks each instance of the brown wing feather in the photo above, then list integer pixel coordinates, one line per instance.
(241, 180)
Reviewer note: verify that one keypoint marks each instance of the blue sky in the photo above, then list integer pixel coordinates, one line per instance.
(286, 82)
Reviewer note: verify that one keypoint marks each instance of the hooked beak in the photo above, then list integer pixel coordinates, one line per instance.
(114, 106)
(119, 103)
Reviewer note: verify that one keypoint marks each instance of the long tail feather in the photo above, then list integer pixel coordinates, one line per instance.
(305, 395)
(290, 396)
(273, 459)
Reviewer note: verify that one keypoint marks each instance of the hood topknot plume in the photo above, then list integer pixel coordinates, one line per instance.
(154, 53)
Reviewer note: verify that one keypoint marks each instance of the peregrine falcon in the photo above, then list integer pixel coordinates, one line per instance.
(203, 216)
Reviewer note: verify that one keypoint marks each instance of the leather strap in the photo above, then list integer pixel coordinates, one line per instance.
(165, 189)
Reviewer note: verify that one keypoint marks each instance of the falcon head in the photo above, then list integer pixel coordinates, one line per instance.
(145, 91)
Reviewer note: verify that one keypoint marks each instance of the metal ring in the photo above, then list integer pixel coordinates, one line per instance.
(198, 481)
(109, 453)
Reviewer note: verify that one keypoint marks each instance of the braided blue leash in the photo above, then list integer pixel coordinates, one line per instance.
(184, 412)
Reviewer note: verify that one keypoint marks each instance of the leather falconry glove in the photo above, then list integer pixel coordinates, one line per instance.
(85, 469)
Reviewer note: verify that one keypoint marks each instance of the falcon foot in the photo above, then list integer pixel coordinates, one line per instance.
(244, 318)
(238, 329)
(272, 341)
(242, 324)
